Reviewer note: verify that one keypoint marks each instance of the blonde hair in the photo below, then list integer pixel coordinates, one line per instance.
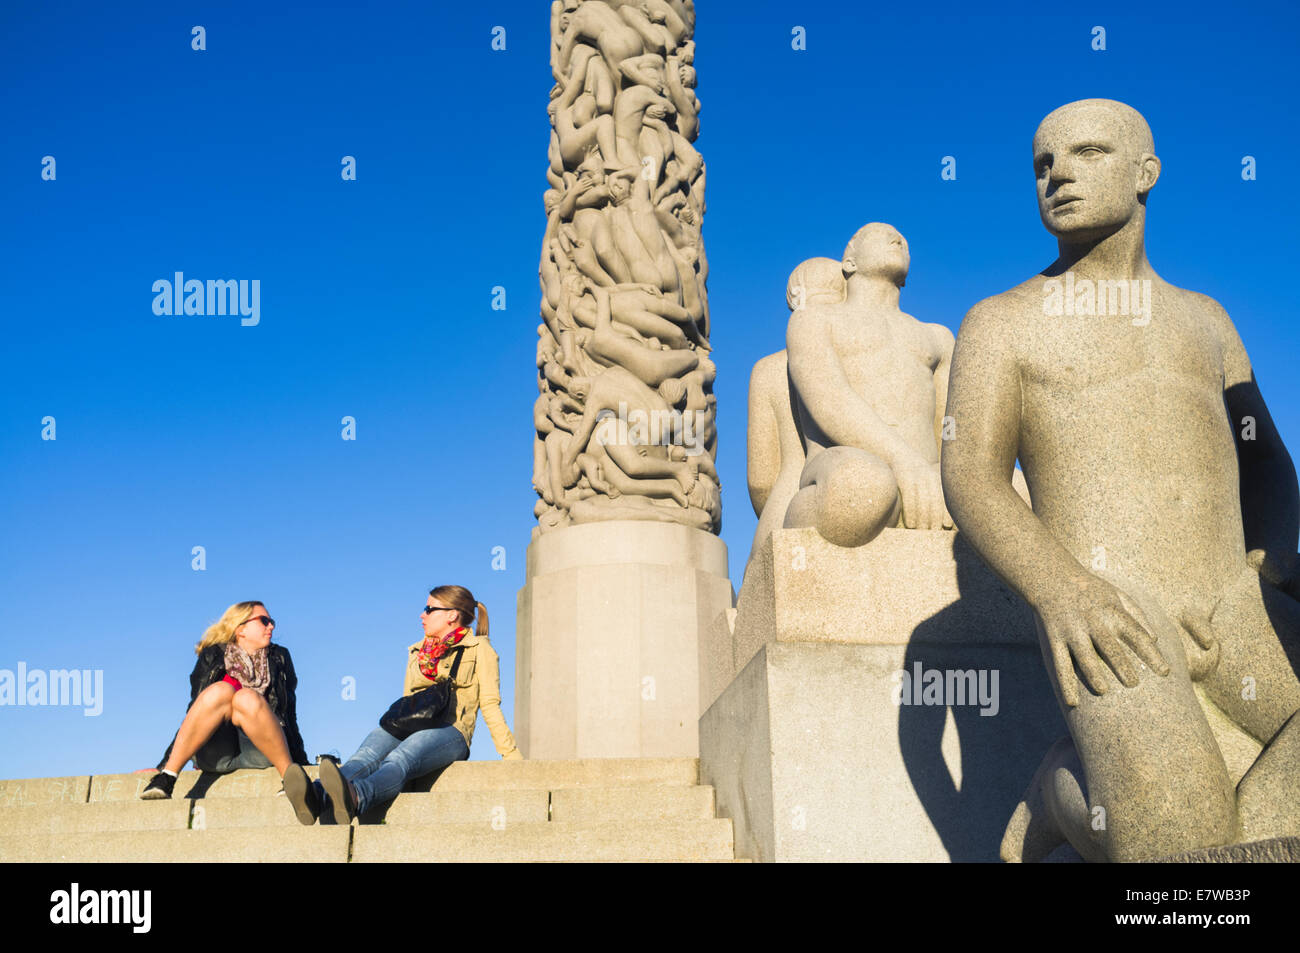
(462, 600)
(223, 630)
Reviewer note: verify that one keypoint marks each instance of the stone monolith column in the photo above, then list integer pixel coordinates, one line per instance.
(625, 566)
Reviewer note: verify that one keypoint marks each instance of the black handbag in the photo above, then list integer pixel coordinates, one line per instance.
(422, 709)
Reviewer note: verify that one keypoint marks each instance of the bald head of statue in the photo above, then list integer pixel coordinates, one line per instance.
(1095, 163)
(877, 250)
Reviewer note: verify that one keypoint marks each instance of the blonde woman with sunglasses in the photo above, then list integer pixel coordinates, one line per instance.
(243, 710)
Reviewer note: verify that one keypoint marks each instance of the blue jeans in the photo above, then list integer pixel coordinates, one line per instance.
(382, 764)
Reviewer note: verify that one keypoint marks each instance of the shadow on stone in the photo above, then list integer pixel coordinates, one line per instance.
(997, 752)
(202, 785)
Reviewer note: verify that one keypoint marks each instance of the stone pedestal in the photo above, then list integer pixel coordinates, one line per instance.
(608, 639)
(821, 749)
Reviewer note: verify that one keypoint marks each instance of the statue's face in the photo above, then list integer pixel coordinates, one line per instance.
(880, 251)
(1090, 169)
(655, 69)
(590, 171)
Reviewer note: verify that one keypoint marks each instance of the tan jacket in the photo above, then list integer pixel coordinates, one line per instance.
(478, 685)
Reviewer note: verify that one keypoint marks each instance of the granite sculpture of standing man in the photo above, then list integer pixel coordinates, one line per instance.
(1161, 546)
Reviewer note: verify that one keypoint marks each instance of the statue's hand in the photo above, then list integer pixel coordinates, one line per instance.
(1097, 627)
(921, 491)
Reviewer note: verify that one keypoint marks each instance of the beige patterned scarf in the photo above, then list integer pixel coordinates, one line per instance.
(252, 671)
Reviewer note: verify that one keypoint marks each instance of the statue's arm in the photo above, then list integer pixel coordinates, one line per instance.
(687, 122)
(984, 401)
(1087, 621)
(830, 399)
(1270, 499)
(944, 342)
(763, 445)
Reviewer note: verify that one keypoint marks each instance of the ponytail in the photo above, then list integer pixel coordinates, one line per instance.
(462, 600)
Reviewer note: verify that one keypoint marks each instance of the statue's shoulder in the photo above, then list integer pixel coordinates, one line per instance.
(772, 367)
(806, 322)
(1214, 316)
(1201, 302)
(1002, 322)
(1009, 308)
(936, 339)
(939, 335)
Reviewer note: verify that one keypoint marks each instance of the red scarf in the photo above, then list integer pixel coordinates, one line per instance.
(434, 649)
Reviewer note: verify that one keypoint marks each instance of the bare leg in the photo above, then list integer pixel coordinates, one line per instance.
(1258, 630)
(591, 467)
(1054, 804)
(253, 716)
(541, 483)
(1266, 798)
(1186, 800)
(637, 485)
(210, 709)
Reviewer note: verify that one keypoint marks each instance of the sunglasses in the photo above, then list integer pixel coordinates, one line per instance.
(429, 610)
(266, 620)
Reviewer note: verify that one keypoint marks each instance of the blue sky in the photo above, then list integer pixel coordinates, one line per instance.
(183, 431)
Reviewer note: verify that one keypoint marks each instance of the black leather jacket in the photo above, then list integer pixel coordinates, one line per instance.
(210, 668)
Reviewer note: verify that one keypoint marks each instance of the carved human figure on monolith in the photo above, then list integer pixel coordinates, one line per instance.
(623, 269)
(1164, 524)
(870, 383)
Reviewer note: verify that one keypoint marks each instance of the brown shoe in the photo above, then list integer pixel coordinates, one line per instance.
(298, 789)
(342, 803)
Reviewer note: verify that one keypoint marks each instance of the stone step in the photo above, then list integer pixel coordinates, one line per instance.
(464, 807)
(576, 805)
(598, 809)
(191, 784)
(298, 845)
(461, 776)
(228, 813)
(30, 792)
(635, 840)
(598, 805)
(104, 817)
(661, 860)
(558, 775)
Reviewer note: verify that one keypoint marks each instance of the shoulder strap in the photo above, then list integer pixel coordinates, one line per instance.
(455, 666)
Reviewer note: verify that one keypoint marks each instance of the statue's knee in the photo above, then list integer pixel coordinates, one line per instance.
(859, 500)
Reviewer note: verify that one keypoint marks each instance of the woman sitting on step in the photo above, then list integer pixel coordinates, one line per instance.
(242, 710)
(384, 762)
